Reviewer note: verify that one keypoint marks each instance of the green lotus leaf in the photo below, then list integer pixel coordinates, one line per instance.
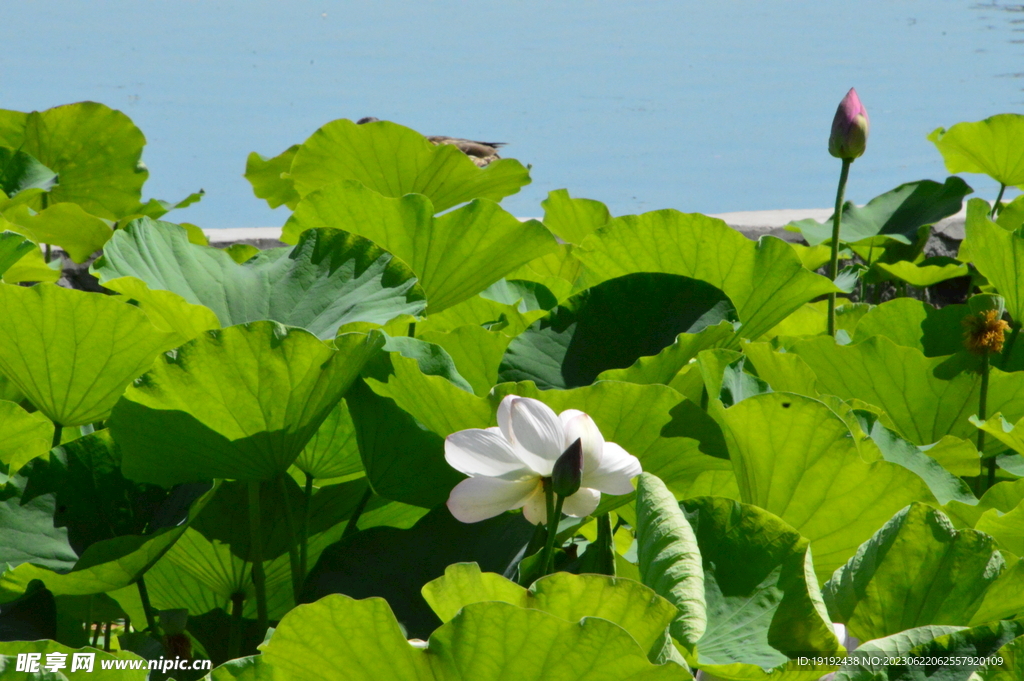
(433, 401)
(107, 564)
(664, 366)
(629, 604)
(990, 147)
(329, 279)
(982, 641)
(241, 253)
(611, 326)
(465, 583)
(915, 324)
(265, 176)
(213, 561)
(559, 271)
(29, 532)
(996, 253)
(64, 224)
(479, 311)
(1002, 496)
(928, 273)
(896, 214)
(916, 570)
(168, 311)
(1007, 528)
(23, 436)
(394, 161)
(724, 376)
(926, 398)
(455, 255)
(19, 171)
(94, 501)
(897, 645)
(525, 295)
(1008, 664)
(763, 604)
(669, 558)
(13, 247)
(403, 461)
(783, 371)
(943, 484)
(573, 219)
(793, 456)
(202, 574)
(249, 668)
(156, 208)
(96, 151)
(239, 403)
(332, 451)
(476, 351)
(31, 266)
(765, 280)
(432, 359)
(9, 651)
(340, 638)
(72, 353)
(811, 319)
(813, 257)
(396, 563)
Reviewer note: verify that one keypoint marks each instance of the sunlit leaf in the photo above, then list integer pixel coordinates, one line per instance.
(240, 403)
(339, 638)
(896, 214)
(794, 457)
(992, 147)
(455, 255)
(95, 150)
(265, 176)
(916, 570)
(73, 353)
(611, 326)
(573, 219)
(765, 280)
(23, 436)
(19, 171)
(394, 161)
(329, 279)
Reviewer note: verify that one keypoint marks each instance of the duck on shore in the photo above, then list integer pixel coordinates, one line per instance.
(480, 153)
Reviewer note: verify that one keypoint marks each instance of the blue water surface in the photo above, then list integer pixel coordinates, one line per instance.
(701, 106)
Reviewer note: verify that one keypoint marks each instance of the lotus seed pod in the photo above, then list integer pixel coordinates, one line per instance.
(849, 128)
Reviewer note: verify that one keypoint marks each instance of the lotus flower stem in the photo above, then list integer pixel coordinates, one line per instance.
(88, 617)
(307, 505)
(57, 432)
(293, 545)
(982, 408)
(995, 206)
(147, 607)
(554, 509)
(833, 267)
(259, 577)
(353, 520)
(235, 632)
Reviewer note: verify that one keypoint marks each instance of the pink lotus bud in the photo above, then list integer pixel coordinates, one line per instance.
(849, 128)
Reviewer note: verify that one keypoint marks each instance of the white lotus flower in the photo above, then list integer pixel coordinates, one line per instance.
(507, 464)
